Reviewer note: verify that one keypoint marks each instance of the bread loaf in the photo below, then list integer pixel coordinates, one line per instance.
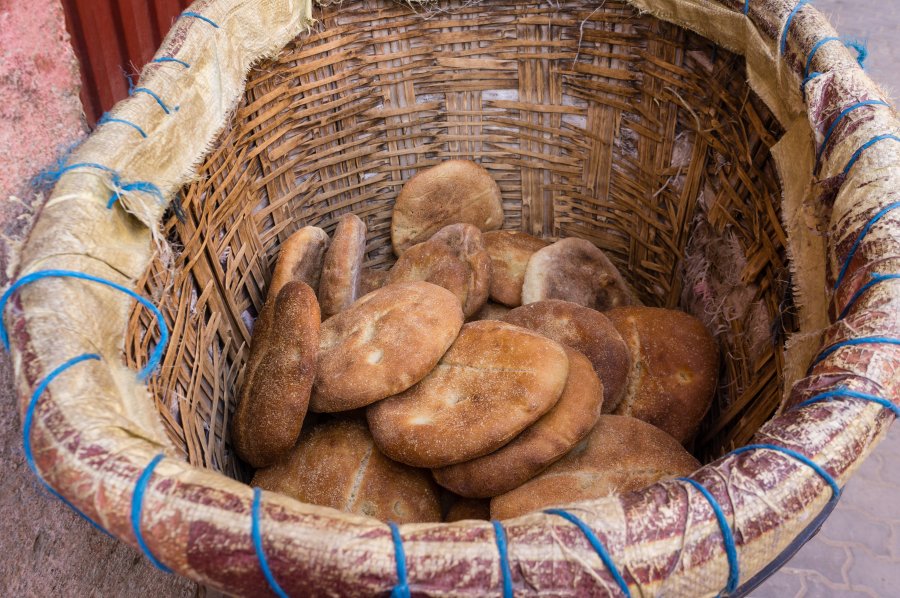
(371, 280)
(339, 286)
(675, 366)
(336, 465)
(494, 382)
(620, 454)
(510, 251)
(300, 258)
(455, 191)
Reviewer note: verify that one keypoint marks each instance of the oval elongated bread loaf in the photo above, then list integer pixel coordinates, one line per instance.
(371, 280)
(339, 285)
(620, 454)
(585, 330)
(464, 509)
(337, 465)
(510, 251)
(675, 366)
(383, 344)
(578, 271)
(300, 258)
(494, 382)
(455, 191)
(539, 445)
(454, 258)
(277, 385)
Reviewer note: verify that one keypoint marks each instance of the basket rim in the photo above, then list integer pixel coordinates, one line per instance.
(102, 478)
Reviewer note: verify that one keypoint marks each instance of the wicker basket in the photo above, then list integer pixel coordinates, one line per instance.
(749, 180)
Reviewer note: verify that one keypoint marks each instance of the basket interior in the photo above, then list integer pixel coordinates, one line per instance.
(596, 121)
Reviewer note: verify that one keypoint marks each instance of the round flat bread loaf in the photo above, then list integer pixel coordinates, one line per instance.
(278, 379)
(371, 280)
(383, 344)
(454, 258)
(676, 364)
(510, 251)
(494, 382)
(490, 311)
(585, 330)
(575, 270)
(337, 465)
(452, 192)
(339, 285)
(300, 258)
(541, 444)
(621, 454)
(467, 509)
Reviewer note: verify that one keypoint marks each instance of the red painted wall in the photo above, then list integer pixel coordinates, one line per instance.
(112, 38)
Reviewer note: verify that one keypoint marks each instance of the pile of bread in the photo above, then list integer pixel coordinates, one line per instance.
(515, 373)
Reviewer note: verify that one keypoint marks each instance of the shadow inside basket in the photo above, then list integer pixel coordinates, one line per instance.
(598, 123)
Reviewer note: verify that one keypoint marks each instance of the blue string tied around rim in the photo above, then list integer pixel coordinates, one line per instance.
(835, 489)
(155, 356)
(782, 46)
(840, 118)
(401, 589)
(170, 59)
(874, 279)
(29, 422)
(256, 533)
(106, 118)
(597, 545)
(734, 568)
(853, 342)
(843, 392)
(189, 14)
(505, 572)
(137, 506)
(156, 97)
(119, 186)
(859, 239)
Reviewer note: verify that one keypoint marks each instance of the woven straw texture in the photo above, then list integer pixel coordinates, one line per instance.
(716, 178)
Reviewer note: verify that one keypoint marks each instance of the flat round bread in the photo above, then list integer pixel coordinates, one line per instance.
(339, 285)
(455, 191)
(585, 330)
(540, 445)
(467, 509)
(490, 311)
(279, 376)
(300, 258)
(454, 258)
(494, 382)
(383, 344)
(371, 280)
(335, 464)
(510, 251)
(675, 367)
(621, 454)
(575, 270)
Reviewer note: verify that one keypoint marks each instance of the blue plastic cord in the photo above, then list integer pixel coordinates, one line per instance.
(874, 279)
(256, 533)
(862, 51)
(862, 234)
(194, 15)
(505, 571)
(787, 25)
(51, 176)
(136, 186)
(746, 7)
(835, 489)
(137, 505)
(106, 118)
(158, 99)
(865, 146)
(815, 49)
(846, 393)
(163, 59)
(401, 590)
(866, 340)
(734, 571)
(597, 545)
(838, 120)
(157, 354)
(29, 421)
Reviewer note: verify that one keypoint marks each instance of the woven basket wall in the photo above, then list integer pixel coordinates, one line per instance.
(597, 121)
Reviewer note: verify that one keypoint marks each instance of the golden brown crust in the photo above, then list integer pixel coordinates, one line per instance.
(675, 366)
(371, 279)
(490, 311)
(454, 258)
(455, 191)
(467, 509)
(620, 454)
(339, 285)
(277, 385)
(510, 251)
(494, 382)
(538, 446)
(578, 271)
(337, 465)
(300, 258)
(585, 330)
(383, 344)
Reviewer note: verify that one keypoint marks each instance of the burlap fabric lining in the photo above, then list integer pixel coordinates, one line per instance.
(95, 432)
